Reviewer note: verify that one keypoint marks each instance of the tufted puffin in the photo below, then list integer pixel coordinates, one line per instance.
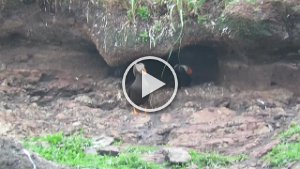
(184, 74)
(135, 89)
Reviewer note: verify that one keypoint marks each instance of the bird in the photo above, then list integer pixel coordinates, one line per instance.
(184, 74)
(135, 89)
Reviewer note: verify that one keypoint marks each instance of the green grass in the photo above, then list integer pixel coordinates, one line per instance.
(293, 129)
(211, 160)
(286, 152)
(117, 143)
(70, 151)
(131, 13)
(143, 12)
(143, 37)
(201, 20)
(141, 149)
(283, 154)
(233, 2)
(214, 159)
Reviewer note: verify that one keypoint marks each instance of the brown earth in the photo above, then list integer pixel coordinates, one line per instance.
(45, 89)
(245, 84)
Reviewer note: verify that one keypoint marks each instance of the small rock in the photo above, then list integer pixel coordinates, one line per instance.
(110, 150)
(90, 151)
(103, 141)
(166, 118)
(61, 116)
(157, 157)
(264, 129)
(35, 98)
(76, 124)
(140, 121)
(2, 67)
(22, 58)
(277, 125)
(85, 100)
(176, 155)
(295, 166)
(189, 104)
(108, 104)
(193, 166)
(280, 113)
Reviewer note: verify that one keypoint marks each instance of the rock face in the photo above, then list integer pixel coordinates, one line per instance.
(263, 31)
(13, 156)
(254, 45)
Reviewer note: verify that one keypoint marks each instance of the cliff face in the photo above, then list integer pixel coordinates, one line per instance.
(251, 43)
(256, 31)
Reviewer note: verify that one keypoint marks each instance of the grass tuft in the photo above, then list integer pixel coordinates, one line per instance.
(143, 12)
(141, 149)
(286, 152)
(144, 37)
(283, 154)
(214, 159)
(294, 129)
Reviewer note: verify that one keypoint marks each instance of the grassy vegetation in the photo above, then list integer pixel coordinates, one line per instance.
(294, 129)
(141, 149)
(286, 152)
(141, 9)
(69, 150)
(214, 159)
(233, 2)
(143, 12)
(143, 37)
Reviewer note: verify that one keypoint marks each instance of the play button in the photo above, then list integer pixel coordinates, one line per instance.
(150, 84)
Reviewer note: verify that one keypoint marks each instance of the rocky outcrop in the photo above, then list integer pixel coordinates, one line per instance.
(13, 156)
(263, 31)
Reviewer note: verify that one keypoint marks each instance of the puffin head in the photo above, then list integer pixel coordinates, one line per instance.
(139, 68)
(184, 68)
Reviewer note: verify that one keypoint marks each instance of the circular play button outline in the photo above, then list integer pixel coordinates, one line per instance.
(174, 91)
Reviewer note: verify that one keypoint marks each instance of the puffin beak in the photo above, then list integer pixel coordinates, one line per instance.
(189, 71)
(144, 71)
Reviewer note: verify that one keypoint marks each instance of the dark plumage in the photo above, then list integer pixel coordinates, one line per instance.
(135, 89)
(184, 74)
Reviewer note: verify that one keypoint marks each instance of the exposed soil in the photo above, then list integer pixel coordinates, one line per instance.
(46, 89)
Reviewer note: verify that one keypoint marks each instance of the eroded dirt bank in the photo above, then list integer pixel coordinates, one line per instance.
(45, 89)
(245, 58)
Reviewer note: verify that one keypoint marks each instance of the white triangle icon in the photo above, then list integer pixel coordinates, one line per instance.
(150, 84)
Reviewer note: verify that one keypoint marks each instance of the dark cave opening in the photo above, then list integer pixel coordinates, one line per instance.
(202, 59)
